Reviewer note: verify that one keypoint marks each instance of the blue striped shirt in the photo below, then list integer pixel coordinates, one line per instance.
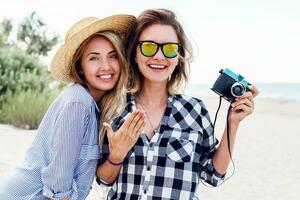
(62, 159)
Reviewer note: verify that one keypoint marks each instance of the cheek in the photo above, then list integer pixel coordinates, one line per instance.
(83, 68)
(175, 61)
(116, 66)
(140, 59)
(88, 66)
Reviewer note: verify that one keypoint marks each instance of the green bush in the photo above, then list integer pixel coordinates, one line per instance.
(21, 68)
(26, 109)
(21, 72)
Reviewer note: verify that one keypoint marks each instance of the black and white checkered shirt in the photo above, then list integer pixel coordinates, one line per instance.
(171, 164)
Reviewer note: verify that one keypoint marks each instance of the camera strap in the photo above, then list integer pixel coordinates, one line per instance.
(227, 133)
(216, 115)
(227, 125)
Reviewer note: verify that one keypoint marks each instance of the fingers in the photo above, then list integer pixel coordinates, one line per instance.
(244, 108)
(137, 130)
(139, 121)
(245, 101)
(134, 129)
(128, 120)
(139, 126)
(134, 122)
(108, 130)
(248, 95)
(254, 90)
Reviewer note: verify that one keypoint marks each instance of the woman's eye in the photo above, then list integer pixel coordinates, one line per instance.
(94, 58)
(114, 56)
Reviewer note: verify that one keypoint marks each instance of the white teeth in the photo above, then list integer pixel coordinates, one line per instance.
(105, 76)
(157, 66)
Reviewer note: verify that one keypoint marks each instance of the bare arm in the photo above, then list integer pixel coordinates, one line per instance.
(241, 108)
(120, 143)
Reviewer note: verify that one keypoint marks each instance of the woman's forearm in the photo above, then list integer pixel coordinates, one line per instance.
(221, 158)
(108, 172)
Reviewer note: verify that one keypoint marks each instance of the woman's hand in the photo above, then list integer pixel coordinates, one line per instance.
(124, 139)
(243, 106)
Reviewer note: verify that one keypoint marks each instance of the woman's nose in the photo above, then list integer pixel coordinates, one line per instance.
(105, 67)
(105, 64)
(159, 54)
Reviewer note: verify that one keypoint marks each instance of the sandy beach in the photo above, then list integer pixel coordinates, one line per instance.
(266, 155)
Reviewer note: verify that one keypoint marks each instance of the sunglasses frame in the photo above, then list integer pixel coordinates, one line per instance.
(160, 45)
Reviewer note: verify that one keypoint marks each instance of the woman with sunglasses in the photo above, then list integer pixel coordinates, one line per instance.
(177, 147)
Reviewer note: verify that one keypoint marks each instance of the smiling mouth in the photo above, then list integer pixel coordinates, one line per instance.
(105, 76)
(157, 67)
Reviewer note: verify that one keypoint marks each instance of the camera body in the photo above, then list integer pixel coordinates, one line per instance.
(230, 85)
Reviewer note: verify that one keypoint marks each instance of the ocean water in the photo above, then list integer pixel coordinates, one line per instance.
(268, 91)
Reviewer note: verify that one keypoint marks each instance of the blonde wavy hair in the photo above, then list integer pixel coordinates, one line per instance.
(113, 101)
(165, 17)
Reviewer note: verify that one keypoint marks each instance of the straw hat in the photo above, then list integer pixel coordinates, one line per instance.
(78, 33)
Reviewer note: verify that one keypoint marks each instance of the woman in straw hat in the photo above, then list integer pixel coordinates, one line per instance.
(62, 160)
(177, 147)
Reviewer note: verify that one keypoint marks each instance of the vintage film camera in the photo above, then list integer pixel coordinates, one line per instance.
(230, 85)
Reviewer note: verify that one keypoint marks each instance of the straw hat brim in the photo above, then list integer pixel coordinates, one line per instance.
(61, 62)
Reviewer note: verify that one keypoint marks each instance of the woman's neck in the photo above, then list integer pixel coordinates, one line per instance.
(153, 94)
(95, 93)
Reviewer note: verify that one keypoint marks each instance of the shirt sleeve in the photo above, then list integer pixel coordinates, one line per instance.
(69, 131)
(208, 148)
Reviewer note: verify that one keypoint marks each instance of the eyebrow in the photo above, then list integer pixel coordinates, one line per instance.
(112, 51)
(97, 53)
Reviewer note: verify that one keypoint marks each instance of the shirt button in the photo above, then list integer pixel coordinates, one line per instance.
(148, 168)
(145, 191)
(151, 144)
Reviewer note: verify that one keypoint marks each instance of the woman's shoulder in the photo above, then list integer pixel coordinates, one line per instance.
(188, 113)
(185, 100)
(76, 93)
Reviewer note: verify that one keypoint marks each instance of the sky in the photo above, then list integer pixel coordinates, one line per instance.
(259, 39)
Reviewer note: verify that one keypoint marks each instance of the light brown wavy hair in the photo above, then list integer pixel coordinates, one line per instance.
(165, 17)
(113, 101)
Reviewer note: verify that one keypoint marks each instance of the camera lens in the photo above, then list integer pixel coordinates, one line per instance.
(237, 89)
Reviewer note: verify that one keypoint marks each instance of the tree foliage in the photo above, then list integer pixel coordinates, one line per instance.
(21, 72)
(32, 33)
(21, 69)
(5, 30)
